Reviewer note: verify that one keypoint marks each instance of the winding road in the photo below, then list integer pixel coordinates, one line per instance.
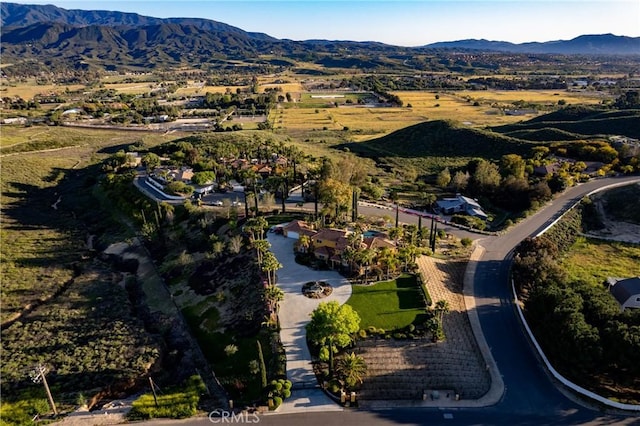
(530, 396)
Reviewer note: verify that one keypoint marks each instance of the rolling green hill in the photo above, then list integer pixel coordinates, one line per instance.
(580, 121)
(442, 139)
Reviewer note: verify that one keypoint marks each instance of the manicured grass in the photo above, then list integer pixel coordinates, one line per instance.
(593, 260)
(389, 304)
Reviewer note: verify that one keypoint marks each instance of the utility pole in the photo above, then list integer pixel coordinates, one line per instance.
(38, 375)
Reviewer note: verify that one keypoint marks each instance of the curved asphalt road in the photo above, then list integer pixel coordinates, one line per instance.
(530, 397)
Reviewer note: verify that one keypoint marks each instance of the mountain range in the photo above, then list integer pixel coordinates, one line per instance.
(107, 38)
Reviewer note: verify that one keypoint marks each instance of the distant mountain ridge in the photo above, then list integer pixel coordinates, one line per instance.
(603, 44)
(21, 15)
(53, 35)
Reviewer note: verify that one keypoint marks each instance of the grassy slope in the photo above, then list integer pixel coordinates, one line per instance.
(87, 331)
(593, 261)
(581, 122)
(444, 139)
(617, 203)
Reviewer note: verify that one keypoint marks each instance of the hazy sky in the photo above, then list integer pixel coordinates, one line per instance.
(403, 23)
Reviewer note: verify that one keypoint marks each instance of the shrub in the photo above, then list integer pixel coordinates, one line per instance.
(277, 401)
(286, 393)
(466, 242)
(362, 334)
(175, 404)
(324, 354)
(230, 350)
(334, 386)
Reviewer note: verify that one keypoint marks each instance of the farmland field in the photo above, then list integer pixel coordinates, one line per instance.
(30, 89)
(366, 122)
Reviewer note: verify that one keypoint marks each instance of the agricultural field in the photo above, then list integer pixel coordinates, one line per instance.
(137, 88)
(309, 114)
(30, 88)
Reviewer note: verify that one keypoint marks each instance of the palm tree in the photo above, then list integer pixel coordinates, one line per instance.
(389, 260)
(352, 369)
(365, 258)
(396, 233)
(304, 242)
(442, 307)
(274, 295)
(355, 239)
(256, 226)
(349, 255)
(411, 234)
(270, 265)
(261, 247)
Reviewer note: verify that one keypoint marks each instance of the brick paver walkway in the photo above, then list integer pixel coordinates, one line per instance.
(403, 370)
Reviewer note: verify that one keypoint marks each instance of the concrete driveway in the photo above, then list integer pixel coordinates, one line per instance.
(295, 311)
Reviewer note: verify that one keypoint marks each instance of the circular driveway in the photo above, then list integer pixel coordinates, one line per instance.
(295, 313)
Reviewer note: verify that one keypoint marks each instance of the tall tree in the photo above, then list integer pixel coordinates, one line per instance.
(486, 177)
(270, 265)
(512, 165)
(444, 178)
(261, 246)
(273, 295)
(333, 324)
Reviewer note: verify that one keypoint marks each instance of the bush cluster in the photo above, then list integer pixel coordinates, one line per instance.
(178, 403)
(279, 390)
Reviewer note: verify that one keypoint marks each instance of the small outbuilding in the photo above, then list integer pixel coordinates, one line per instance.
(626, 291)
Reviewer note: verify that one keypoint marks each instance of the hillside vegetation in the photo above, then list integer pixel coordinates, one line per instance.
(443, 138)
(560, 277)
(580, 121)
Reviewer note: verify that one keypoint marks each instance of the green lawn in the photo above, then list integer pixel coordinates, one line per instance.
(390, 304)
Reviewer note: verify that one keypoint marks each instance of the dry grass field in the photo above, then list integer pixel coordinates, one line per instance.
(419, 106)
(38, 243)
(30, 89)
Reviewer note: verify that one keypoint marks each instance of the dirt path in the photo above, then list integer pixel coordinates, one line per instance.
(615, 230)
(404, 370)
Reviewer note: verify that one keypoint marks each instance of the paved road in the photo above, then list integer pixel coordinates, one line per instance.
(528, 389)
(295, 313)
